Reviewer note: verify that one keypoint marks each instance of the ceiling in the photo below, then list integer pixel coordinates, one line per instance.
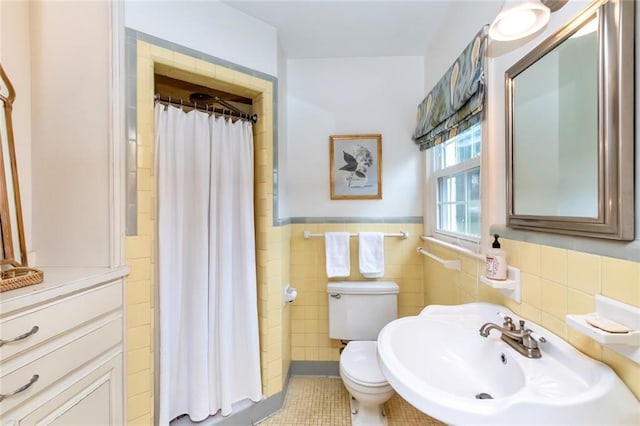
(354, 28)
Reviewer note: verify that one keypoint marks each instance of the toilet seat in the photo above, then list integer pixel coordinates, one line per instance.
(359, 364)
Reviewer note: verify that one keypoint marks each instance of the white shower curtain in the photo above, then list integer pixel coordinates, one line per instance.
(209, 348)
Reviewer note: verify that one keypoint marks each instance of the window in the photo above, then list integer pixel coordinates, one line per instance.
(456, 176)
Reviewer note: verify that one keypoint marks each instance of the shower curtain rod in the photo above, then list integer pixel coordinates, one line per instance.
(229, 109)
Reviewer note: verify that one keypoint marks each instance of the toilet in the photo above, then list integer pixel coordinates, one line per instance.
(358, 310)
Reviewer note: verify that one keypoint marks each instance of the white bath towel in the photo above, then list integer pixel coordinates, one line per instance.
(336, 248)
(371, 254)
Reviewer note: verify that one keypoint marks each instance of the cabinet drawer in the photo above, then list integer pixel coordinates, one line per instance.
(57, 317)
(89, 342)
(93, 398)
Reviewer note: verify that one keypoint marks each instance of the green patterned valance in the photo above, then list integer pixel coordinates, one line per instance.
(457, 100)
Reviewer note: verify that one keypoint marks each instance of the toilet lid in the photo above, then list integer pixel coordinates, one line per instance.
(359, 362)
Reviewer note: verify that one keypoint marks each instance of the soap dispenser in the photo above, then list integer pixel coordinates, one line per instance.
(496, 261)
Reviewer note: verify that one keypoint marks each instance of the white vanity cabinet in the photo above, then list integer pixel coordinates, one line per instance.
(66, 366)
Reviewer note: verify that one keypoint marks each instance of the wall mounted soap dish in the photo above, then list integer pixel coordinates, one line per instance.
(627, 344)
(511, 287)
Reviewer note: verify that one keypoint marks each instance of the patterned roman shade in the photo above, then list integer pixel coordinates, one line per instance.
(457, 100)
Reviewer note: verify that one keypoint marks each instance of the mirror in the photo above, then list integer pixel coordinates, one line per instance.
(569, 128)
(11, 226)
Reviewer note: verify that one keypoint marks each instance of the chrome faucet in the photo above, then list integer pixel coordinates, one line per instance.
(519, 339)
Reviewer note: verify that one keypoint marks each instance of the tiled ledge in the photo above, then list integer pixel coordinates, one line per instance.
(617, 249)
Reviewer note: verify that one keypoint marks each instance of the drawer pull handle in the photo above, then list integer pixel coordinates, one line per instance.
(34, 330)
(20, 389)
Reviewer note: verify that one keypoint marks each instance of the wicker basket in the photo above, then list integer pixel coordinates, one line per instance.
(18, 277)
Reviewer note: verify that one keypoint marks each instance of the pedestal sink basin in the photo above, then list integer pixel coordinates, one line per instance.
(440, 364)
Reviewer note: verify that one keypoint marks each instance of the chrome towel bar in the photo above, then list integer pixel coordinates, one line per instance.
(402, 234)
(458, 248)
(449, 264)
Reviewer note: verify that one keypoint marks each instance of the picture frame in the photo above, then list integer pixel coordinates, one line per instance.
(355, 167)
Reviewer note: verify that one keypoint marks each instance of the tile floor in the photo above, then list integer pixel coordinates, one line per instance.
(323, 401)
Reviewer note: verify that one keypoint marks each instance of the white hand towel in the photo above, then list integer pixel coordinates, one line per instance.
(336, 248)
(371, 254)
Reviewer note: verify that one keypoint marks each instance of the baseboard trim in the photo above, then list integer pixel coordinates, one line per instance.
(314, 368)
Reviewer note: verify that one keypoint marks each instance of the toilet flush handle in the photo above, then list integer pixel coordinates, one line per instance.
(336, 296)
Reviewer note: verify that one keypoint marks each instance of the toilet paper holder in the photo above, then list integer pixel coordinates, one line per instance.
(290, 294)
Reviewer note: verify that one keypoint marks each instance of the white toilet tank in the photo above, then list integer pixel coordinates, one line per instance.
(359, 309)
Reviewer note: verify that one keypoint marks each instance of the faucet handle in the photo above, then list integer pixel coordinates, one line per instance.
(522, 325)
(537, 337)
(507, 321)
(530, 339)
(508, 324)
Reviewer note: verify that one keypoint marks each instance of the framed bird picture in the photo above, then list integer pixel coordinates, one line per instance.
(356, 167)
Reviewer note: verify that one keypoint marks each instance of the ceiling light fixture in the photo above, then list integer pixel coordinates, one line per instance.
(520, 18)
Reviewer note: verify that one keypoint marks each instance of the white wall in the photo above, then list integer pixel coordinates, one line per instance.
(283, 167)
(442, 51)
(70, 132)
(353, 96)
(57, 57)
(15, 48)
(210, 27)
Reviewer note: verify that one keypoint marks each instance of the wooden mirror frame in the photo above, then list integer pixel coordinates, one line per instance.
(616, 109)
(14, 250)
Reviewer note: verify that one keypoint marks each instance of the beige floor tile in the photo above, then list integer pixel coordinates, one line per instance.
(323, 401)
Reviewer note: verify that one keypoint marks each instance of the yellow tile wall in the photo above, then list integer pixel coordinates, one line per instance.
(139, 254)
(286, 311)
(309, 313)
(555, 282)
(272, 243)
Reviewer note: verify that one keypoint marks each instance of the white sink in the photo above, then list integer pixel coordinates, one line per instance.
(439, 363)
